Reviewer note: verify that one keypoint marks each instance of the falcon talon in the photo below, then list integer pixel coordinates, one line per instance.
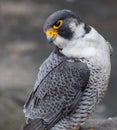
(73, 79)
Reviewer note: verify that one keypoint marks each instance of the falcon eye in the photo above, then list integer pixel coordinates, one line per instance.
(57, 24)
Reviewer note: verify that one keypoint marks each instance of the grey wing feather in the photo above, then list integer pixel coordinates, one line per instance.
(48, 65)
(35, 124)
(59, 92)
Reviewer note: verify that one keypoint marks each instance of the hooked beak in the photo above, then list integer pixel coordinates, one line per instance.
(50, 39)
(51, 35)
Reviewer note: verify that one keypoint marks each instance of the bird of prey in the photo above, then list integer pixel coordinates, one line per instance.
(73, 79)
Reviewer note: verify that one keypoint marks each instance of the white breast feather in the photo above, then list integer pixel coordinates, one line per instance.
(92, 46)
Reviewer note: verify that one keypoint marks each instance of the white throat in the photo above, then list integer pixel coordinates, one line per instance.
(88, 46)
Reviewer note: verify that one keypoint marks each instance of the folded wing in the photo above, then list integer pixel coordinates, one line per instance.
(58, 93)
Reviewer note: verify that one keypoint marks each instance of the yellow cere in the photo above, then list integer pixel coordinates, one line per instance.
(51, 33)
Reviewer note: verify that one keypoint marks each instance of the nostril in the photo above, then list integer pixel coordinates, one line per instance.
(50, 33)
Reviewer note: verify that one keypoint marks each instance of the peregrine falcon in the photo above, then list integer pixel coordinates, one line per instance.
(73, 79)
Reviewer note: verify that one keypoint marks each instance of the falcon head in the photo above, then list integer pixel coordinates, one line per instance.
(74, 37)
(60, 27)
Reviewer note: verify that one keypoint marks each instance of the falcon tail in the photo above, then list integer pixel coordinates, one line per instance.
(36, 124)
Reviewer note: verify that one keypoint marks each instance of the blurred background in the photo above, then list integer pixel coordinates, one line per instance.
(23, 47)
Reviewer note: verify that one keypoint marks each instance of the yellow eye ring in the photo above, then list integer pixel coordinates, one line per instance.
(58, 24)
